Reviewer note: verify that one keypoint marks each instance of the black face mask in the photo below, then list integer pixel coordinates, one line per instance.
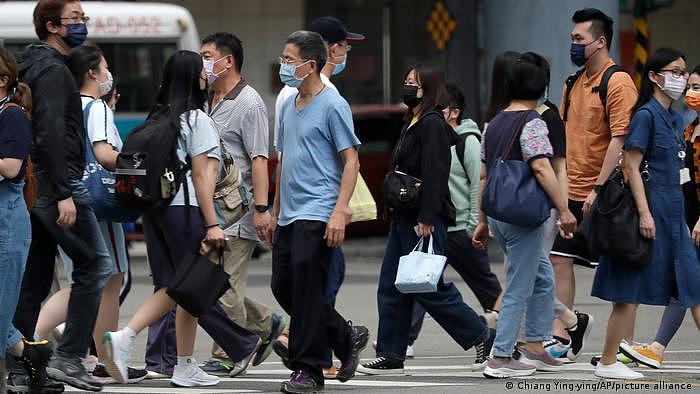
(409, 96)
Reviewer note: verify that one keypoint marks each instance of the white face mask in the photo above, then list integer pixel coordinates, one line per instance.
(673, 87)
(106, 86)
(209, 69)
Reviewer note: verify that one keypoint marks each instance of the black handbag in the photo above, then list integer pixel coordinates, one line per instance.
(401, 191)
(611, 227)
(512, 194)
(198, 283)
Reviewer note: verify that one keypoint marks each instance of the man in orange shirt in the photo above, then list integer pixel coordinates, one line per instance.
(595, 136)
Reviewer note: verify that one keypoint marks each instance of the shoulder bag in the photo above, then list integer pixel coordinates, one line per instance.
(100, 182)
(611, 227)
(512, 193)
(199, 282)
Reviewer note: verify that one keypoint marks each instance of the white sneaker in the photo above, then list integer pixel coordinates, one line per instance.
(491, 318)
(117, 354)
(152, 375)
(617, 370)
(410, 353)
(89, 363)
(190, 375)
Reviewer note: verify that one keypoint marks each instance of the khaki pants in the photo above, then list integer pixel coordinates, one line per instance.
(244, 311)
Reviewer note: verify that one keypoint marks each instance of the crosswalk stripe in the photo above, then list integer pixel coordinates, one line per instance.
(359, 382)
(142, 389)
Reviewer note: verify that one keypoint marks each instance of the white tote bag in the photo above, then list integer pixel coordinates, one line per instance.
(420, 272)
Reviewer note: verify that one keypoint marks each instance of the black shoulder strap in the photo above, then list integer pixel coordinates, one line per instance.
(570, 81)
(461, 147)
(602, 89)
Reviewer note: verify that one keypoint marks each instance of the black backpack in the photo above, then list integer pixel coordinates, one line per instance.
(149, 173)
(601, 89)
(460, 148)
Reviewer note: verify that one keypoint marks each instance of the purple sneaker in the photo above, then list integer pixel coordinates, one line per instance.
(301, 382)
(542, 362)
(506, 368)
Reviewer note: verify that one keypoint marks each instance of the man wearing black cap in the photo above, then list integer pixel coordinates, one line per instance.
(336, 37)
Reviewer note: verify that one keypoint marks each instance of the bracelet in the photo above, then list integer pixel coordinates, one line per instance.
(211, 225)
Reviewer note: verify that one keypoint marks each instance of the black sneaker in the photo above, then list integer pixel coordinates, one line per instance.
(382, 366)
(301, 382)
(483, 351)
(133, 375)
(279, 323)
(359, 336)
(34, 358)
(578, 335)
(18, 383)
(282, 350)
(72, 372)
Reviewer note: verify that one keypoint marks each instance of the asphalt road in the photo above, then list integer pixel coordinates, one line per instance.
(440, 366)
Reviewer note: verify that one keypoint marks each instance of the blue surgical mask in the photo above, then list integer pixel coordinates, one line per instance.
(77, 34)
(578, 54)
(339, 67)
(288, 74)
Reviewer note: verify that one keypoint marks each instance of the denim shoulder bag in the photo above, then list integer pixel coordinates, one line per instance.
(100, 182)
(512, 193)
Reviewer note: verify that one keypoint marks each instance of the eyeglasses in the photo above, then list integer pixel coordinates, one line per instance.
(77, 19)
(290, 61)
(677, 73)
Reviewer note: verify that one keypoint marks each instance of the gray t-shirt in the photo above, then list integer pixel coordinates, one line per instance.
(243, 127)
(198, 136)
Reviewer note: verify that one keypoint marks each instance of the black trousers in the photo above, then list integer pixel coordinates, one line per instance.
(300, 263)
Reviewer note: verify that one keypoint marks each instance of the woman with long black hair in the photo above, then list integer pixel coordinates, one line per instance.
(184, 90)
(423, 152)
(655, 146)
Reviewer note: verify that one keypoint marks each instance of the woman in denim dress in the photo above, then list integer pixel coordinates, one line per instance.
(655, 141)
(15, 227)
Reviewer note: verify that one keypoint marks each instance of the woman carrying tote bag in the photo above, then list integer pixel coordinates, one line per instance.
(423, 153)
(516, 140)
(674, 270)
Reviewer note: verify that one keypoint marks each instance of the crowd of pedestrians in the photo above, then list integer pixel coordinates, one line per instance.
(57, 101)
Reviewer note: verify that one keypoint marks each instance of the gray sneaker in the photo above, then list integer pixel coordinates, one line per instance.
(71, 371)
(506, 368)
(542, 362)
(240, 367)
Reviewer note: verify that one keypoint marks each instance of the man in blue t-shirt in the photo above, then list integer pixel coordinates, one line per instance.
(319, 161)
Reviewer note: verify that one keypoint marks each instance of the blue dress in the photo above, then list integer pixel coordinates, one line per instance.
(675, 267)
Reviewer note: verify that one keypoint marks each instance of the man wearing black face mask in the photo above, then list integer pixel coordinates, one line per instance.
(595, 134)
(62, 214)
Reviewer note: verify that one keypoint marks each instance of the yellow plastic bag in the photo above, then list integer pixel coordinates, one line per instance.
(362, 204)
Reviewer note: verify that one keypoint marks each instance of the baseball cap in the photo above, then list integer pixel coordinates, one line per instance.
(332, 30)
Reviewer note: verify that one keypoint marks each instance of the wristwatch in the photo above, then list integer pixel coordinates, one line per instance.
(261, 208)
(598, 188)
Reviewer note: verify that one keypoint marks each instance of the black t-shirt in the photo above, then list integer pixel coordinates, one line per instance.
(557, 136)
(15, 137)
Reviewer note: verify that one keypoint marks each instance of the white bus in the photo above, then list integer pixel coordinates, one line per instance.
(137, 39)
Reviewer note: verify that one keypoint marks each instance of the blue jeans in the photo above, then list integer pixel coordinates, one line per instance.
(529, 286)
(396, 309)
(15, 237)
(83, 243)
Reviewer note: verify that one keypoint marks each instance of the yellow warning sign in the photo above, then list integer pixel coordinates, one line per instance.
(440, 25)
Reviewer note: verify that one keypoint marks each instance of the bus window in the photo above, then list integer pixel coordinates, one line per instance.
(137, 70)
